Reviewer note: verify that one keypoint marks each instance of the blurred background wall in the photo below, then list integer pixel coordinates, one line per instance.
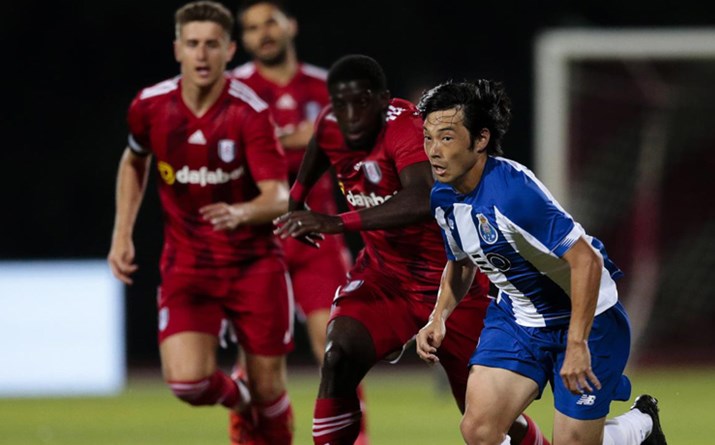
(71, 68)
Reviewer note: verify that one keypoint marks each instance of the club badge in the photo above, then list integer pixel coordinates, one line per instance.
(372, 171)
(487, 231)
(226, 150)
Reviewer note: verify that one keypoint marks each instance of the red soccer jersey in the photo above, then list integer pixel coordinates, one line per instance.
(299, 100)
(218, 157)
(412, 254)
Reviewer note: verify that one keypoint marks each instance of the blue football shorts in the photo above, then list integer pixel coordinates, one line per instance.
(538, 353)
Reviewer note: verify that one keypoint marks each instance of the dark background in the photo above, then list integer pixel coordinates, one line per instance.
(71, 69)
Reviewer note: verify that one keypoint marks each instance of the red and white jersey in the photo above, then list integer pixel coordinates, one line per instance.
(412, 254)
(218, 157)
(299, 100)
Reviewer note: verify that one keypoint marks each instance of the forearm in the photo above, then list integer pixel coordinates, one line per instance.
(315, 163)
(454, 285)
(586, 270)
(270, 204)
(131, 185)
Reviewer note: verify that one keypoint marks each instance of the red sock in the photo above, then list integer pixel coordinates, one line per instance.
(336, 421)
(533, 435)
(218, 388)
(275, 420)
(362, 438)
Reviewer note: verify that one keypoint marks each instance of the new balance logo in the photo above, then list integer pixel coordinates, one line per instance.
(586, 400)
(197, 138)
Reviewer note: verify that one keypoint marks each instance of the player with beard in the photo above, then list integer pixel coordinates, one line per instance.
(295, 92)
(222, 179)
(374, 143)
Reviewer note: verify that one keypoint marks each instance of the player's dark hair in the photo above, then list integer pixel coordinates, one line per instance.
(246, 4)
(484, 103)
(358, 67)
(204, 11)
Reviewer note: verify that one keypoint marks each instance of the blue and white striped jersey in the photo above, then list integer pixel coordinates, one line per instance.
(513, 229)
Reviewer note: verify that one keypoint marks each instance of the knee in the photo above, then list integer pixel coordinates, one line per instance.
(192, 392)
(475, 432)
(267, 381)
(334, 358)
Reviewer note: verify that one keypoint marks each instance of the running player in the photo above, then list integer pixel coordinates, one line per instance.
(374, 143)
(556, 317)
(222, 179)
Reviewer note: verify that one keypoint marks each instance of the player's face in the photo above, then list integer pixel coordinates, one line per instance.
(203, 49)
(448, 145)
(267, 33)
(360, 112)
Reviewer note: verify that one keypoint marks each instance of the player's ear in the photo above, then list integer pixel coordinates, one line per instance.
(384, 98)
(292, 27)
(482, 140)
(177, 52)
(231, 50)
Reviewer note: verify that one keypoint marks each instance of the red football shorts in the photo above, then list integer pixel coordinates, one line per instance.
(257, 300)
(316, 273)
(393, 317)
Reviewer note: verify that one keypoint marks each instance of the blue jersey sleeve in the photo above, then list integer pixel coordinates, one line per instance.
(532, 208)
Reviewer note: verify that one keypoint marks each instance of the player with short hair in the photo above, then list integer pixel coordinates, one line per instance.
(222, 179)
(556, 317)
(295, 93)
(374, 143)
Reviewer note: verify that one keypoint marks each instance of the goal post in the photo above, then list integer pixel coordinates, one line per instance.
(624, 132)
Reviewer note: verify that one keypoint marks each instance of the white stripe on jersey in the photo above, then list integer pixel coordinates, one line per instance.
(314, 71)
(136, 148)
(244, 71)
(160, 88)
(456, 251)
(246, 94)
(557, 269)
(467, 229)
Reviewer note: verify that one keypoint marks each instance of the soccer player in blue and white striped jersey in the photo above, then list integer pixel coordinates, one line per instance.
(556, 317)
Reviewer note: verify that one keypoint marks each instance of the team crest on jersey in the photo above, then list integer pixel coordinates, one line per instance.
(372, 171)
(226, 150)
(487, 231)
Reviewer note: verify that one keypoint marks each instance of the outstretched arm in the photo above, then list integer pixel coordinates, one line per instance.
(456, 280)
(586, 266)
(409, 206)
(315, 163)
(131, 184)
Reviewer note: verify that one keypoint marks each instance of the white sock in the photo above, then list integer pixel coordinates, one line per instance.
(630, 428)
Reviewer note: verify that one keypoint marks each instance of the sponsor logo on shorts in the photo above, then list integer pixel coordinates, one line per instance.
(586, 399)
(163, 318)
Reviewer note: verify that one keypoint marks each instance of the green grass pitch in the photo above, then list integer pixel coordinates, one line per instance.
(404, 407)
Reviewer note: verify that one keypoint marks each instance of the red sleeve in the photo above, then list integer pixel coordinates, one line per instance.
(138, 123)
(404, 139)
(266, 159)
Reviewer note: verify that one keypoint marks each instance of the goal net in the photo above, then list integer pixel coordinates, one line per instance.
(625, 139)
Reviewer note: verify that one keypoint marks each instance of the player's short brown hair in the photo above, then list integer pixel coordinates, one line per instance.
(204, 11)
